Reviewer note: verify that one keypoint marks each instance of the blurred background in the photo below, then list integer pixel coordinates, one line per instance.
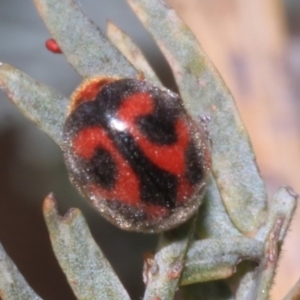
(256, 47)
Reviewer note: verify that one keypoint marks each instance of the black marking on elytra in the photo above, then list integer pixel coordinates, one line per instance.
(157, 186)
(194, 165)
(103, 169)
(159, 126)
(157, 130)
(100, 169)
(82, 117)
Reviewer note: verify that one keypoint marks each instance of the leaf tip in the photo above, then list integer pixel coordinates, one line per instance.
(291, 192)
(49, 204)
(71, 215)
(111, 27)
(50, 207)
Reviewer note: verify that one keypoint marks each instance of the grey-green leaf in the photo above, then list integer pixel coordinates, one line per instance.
(282, 208)
(213, 220)
(204, 93)
(124, 43)
(265, 273)
(85, 47)
(165, 271)
(13, 286)
(41, 104)
(214, 259)
(88, 272)
(283, 204)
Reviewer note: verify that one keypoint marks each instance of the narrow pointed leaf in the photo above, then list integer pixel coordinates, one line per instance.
(124, 43)
(204, 92)
(85, 46)
(265, 273)
(281, 211)
(279, 219)
(42, 105)
(214, 259)
(13, 286)
(88, 272)
(165, 271)
(213, 220)
(283, 204)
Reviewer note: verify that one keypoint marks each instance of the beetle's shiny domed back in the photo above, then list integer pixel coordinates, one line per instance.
(134, 152)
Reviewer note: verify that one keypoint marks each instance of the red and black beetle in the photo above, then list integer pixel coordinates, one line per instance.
(135, 153)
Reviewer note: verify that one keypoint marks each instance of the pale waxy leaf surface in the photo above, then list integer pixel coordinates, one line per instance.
(134, 55)
(13, 286)
(85, 46)
(214, 259)
(256, 284)
(213, 220)
(41, 104)
(165, 270)
(88, 272)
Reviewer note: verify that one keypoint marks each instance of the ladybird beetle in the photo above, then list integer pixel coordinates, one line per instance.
(134, 152)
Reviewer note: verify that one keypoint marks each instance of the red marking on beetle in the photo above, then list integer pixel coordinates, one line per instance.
(140, 104)
(126, 188)
(156, 211)
(184, 191)
(52, 46)
(89, 90)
